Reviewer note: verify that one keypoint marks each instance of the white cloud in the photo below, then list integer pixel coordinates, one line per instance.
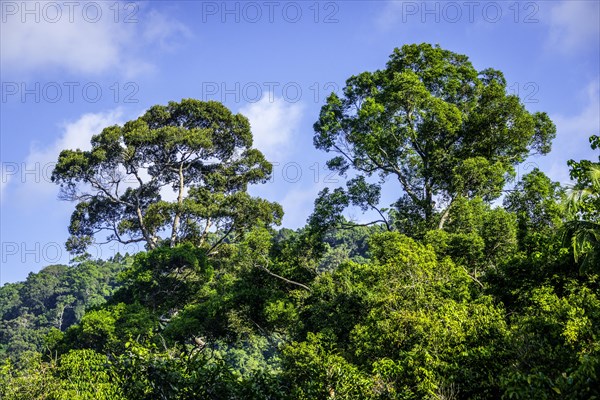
(76, 135)
(84, 38)
(79, 46)
(572, 135)
(161, 29)
(274, 122)
(31, 179)
(574, 24)
(4, 180)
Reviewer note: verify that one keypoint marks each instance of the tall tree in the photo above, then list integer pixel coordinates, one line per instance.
(433, 123)
(198, 153)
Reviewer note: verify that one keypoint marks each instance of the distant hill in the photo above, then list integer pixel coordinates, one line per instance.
(54, 298)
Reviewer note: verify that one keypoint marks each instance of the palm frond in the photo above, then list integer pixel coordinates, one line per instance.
(584, 238)
(594, 175)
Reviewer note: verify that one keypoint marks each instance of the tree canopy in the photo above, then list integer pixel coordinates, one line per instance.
(177, 173)
(446, 296)
(437, 126)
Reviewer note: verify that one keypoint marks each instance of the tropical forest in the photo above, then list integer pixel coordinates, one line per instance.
(479, 281)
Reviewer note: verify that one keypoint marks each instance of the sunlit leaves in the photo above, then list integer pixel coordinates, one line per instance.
(121, 183)
(435, 125)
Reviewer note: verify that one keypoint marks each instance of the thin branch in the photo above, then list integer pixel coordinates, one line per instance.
(263, 267)
(472, 277)
(205, 230)
(218, 243)
(350, 225)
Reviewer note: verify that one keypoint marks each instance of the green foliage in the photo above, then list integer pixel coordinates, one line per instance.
(30, 379)
(473, 302)
(165, 278)
(85, 374)
(200, 150)
(476, 236)
(583, 232)
(433, 123)
(53, 299)
(314, 370)
(78, 375)
(555, 345)
(537, 203)
(402, 326)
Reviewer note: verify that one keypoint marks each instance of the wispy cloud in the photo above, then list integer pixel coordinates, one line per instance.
(29, 181)
(572, 135)
(298, 204)
(274, 122)
(4, 180)
(573, 24)
(83, 37)
(164, 31)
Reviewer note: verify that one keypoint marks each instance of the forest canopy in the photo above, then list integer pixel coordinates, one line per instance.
(464, 288)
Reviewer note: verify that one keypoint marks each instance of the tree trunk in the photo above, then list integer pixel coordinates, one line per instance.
(445, 215)
(149, 240)
(428, 204)
(59, 319)
(177, 218)
(444, 218)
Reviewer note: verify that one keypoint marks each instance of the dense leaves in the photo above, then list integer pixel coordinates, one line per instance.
(584, 202)
(197, 152)
(435, 125)
(52, 300)
(468, 300)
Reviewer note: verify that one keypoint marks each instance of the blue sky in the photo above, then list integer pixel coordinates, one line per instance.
(68, 69)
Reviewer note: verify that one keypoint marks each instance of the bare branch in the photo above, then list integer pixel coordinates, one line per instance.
(264, 268)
